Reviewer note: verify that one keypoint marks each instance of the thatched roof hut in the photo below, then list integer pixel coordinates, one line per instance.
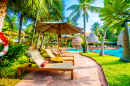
(77, 41)
(86, 33)
(92, 38)
(120, 39)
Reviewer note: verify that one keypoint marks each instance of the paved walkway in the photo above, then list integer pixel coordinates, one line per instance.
(86, 73)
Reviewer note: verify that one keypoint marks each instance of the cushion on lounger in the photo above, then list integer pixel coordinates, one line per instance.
(44, 63)
(60, 52)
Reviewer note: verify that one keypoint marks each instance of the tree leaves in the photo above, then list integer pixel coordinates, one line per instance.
(113, 13)
(83, 5)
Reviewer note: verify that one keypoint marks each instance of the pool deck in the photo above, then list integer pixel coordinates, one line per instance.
(86, 73)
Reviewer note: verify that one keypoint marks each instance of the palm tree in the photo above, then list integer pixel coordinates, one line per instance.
(116, 14)
(55, 9)
(95, 28)
(43, 37)
(102, 46)
(19, 6)
(38, 12)
(71, 22)
(10, 24)
(3, 4)
(83, 6)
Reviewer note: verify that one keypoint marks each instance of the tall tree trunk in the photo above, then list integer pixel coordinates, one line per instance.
(3, 12)
(102, 46)
(86, 47)
(33, 34)
(126, 42)
(49, 41)
(38, 38)
(42, 42)
(21, 18)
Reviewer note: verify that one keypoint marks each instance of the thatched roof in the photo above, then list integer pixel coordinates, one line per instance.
(120, 39)
(92, 38)
(77, 41)
(86, 33)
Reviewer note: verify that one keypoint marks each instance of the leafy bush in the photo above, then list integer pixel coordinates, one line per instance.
(15, 51)
(83, 44)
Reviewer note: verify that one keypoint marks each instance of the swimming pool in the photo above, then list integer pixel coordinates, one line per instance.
(114, 52)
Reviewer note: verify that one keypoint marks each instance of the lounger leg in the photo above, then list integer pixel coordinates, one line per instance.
(71, 74)
(19, 72)
(73, 62)
(30, 65)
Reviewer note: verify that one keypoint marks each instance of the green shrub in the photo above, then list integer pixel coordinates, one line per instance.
(83, 44)
(15, 51)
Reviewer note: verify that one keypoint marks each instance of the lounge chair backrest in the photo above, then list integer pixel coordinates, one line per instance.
(37, 58)
(54, 51)
(48, 51)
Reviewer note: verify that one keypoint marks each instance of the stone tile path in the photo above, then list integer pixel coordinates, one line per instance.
(86, 73)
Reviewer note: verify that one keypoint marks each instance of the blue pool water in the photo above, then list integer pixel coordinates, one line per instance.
(114, 52)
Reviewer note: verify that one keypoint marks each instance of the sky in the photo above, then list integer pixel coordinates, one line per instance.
(93, 17)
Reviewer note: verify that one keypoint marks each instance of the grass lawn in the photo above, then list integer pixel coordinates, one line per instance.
(117, 72)
(8, 73)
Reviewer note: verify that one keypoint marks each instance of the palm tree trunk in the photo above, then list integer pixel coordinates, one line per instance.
(38, 38)
(49, 41)
(86, 47)
(33, 34)
(126, 47)
(42, 42)
(102, 46)
(21, 18)
(3, 12)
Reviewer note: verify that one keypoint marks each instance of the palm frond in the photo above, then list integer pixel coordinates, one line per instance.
(86, 15)
(73, 7)
(76, 10)
(86, 1)
(93, 8)
(76, 16)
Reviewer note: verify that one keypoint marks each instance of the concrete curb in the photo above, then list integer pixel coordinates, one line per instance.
(100, 71)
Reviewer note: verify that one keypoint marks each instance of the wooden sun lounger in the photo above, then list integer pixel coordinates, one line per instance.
(49, 66)
(38, 59)
(67, 58)
(63, 51)
(64, 54)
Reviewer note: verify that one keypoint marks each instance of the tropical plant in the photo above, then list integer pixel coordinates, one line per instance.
(83, 6)
(95, 28)
(43, 37)
(10, 24)
(116, 14)
(72, 22)
(55, 9)
(102, 46)
(29, 32)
